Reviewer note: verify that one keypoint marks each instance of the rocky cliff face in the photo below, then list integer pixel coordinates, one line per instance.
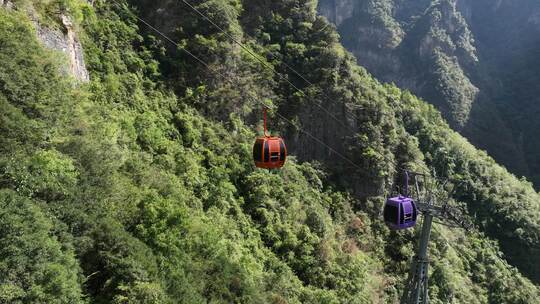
(474, 60)
(67, 42)
(337, 10)
(64, 40)
(6, 3)
(413, 51)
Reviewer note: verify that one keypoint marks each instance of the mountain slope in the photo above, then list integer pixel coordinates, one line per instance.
(143, 176)
(474, 60)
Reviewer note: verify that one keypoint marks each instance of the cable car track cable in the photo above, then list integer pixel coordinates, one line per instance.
(271, 68)
(253, 98)
(267, 66)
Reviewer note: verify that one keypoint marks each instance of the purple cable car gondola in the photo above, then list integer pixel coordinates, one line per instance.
(400, 212)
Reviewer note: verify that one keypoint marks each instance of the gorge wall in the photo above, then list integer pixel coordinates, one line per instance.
(476, 61)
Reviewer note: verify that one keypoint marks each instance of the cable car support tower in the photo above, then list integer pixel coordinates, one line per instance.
(428, 204)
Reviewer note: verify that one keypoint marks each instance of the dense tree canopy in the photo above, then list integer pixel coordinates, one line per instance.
(138, 187)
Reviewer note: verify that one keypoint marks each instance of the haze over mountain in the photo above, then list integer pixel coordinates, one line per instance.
(478, 61)
(126, 169)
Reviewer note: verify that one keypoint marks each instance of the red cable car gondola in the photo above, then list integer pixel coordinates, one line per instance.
(269, 152)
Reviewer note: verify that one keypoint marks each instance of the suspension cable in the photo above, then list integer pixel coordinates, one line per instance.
(253, 98)
(271, 68)
(266, 65)
(265, 133)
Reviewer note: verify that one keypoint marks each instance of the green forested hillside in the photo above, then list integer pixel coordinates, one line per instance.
(475, 60)
(138, 187)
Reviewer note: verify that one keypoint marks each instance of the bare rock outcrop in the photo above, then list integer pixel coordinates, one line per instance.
(6, 3)
(68, 43)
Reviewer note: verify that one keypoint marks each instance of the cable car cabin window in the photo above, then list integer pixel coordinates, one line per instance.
(391, 214)
(281, 150)
(402, 214)
(266, 151)
(274, 156)
(257, 150)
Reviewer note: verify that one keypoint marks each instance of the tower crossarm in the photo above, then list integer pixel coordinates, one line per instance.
(446, 215)
(436, 211)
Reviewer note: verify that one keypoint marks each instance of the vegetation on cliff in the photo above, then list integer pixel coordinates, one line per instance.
(139, 187)
(475, 60)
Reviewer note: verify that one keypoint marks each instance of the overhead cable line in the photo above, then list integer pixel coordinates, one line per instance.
(253, 98)
(265, 64)
(271, 68)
